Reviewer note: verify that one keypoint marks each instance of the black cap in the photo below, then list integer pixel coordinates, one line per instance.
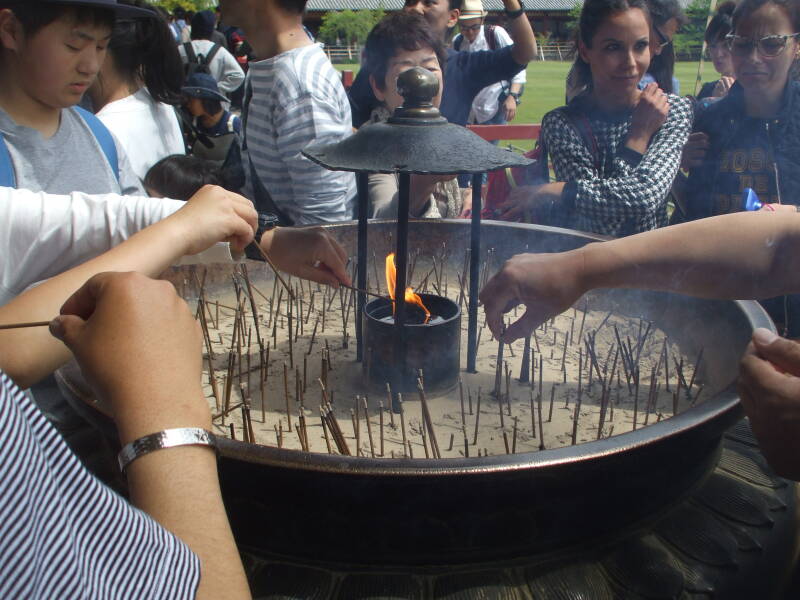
(120, 10)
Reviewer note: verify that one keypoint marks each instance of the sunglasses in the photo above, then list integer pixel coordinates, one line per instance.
(665, 41)
(474, 28)
(768, 46)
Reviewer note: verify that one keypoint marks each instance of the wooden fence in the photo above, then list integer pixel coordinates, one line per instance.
(549, 51)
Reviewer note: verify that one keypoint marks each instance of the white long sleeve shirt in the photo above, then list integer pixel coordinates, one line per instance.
(42, 235)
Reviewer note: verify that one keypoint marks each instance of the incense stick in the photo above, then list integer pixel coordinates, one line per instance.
(275, 270)
(25, 325)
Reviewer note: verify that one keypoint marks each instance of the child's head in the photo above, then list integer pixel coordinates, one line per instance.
(397, 43)
(202, 96)
(764, 44)
(181, 177)
(52, 53)
(613, 45)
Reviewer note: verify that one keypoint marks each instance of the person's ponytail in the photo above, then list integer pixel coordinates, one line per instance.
(144, 51)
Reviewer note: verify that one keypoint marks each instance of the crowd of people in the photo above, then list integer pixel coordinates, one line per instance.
(131, 139)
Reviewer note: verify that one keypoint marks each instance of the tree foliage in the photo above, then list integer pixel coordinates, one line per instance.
(348, 26)
(194, 5)
(690, 37)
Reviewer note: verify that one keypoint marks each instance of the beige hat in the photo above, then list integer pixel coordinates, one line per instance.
(472, 9)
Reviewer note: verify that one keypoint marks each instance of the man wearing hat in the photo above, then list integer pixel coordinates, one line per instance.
(495, 104)
(210, 57)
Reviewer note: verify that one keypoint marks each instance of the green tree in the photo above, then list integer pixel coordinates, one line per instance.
(690, 37)
(348, 26)
(195, 5)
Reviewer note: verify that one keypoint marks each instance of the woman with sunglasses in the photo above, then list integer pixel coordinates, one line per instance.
(753, 133)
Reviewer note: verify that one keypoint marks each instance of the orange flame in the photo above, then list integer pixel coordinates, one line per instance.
(410, 296)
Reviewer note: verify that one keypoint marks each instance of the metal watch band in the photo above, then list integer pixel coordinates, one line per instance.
(169, 438)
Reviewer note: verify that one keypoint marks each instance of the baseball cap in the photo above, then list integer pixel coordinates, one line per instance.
(120, 10)
(202, 85)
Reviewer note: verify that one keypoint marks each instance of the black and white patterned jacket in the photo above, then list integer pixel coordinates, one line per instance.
(614, 190)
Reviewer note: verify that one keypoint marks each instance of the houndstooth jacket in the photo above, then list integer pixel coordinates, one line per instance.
(614, 190)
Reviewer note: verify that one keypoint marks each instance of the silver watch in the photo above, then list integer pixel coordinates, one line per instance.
(169, 438)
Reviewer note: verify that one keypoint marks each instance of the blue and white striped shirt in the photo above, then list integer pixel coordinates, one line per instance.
(298, 100)
(63, 534)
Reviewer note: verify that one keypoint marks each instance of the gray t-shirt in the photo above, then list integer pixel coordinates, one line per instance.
(70, 161)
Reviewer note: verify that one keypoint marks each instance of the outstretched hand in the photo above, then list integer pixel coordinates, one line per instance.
(530, 202)
(547, 284)
(308, 253)
(769, 387)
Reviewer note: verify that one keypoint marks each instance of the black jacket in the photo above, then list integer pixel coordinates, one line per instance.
(746, 152)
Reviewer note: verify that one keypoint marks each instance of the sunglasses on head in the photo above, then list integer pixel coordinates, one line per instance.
(769, 46)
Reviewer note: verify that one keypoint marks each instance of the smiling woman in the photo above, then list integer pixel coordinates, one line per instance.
(615, 148)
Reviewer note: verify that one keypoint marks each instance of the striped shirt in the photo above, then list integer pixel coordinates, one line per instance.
(63, 534)
(298, 100)
(615, 190)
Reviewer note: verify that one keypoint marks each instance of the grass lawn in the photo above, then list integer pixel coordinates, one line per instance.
(545, 89)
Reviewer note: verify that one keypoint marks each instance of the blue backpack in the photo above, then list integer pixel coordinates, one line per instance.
(100, 132)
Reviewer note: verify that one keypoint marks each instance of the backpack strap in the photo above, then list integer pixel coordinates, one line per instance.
(457, 42)
(231, 121)
(191, 56)
(7, 177)
(210, 56)
(103, 137)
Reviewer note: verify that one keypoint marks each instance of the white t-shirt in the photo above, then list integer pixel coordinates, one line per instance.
(42, 235)
(148, 130)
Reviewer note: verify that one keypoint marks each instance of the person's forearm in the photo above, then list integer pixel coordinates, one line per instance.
(27, 355)
(179, 488)
(739, 256)
(521, 32)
